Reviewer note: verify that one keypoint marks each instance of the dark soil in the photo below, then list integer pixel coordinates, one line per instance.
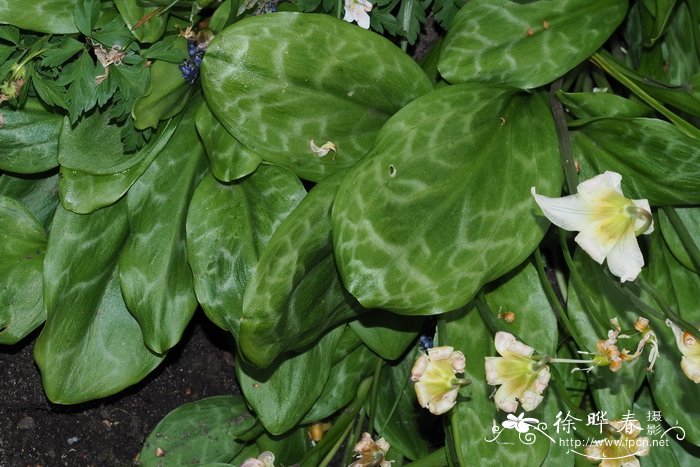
(109, 432)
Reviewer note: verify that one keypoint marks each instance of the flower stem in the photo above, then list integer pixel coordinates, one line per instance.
(569, 360)
(553, 299)
(567, 158)
(375, 393)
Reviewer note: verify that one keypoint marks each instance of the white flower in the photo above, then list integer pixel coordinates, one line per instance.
(356, 10)
(689, 347)
(522, 378)
(607, 222)
(434, 374)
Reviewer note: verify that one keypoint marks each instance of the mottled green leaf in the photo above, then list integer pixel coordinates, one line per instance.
(22, 247)
(690, 217)
(674, 393)
(199, 432)
(147, 24)
(341, 387)
(38, 193)
(326, 81)
(29, 139)
(602, 104)
(90, 346)
(228, 158)
(461, 160)
(295, 294)
(228, 226)
(657, 161)
(656, 13)
(156, 279)
(521, 293)
(49, 16)
(83, 192)
(387, 334)
(525, 44)
(304, 376)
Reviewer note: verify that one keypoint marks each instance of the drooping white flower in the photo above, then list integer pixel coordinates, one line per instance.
(607, 222)
(522, 378)
(622, 449)
(435, 378)
(690, 348)
(357, 10)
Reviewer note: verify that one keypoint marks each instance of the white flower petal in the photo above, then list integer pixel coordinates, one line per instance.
(595, 245)
(603, 182)
(531, 400)
(362, 20)
(444, 403)
(419, 367)
(625, 260)
(503, 341)
(691, 368)
(569, 212)
(440, 353)
(493, 376)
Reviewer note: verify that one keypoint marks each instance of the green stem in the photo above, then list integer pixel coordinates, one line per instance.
(349, 449)
(406, 11)
(684, 235)
(437, 458)
(577, 281)
(375, 393)
(341, 9)
(567, 158)
(605, 61)
(553, 299)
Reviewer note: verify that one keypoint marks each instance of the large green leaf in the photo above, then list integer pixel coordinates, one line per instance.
(602, 104)
(295, 294)
(657, 160)
(91, 346)
(674, 393)
(442, 203)
(49, 16)
(36, 192)
(288, 448)
(156, 279)
(387, 334)
(82, 191)
(283, 393)
(29, 139)
(200, 432)
(228, 158)
(228, 226)
(471, 425)
(690, 218)
(525, 44)
(521, 293)
(278, 82)
(341, 387)
(22, 247)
